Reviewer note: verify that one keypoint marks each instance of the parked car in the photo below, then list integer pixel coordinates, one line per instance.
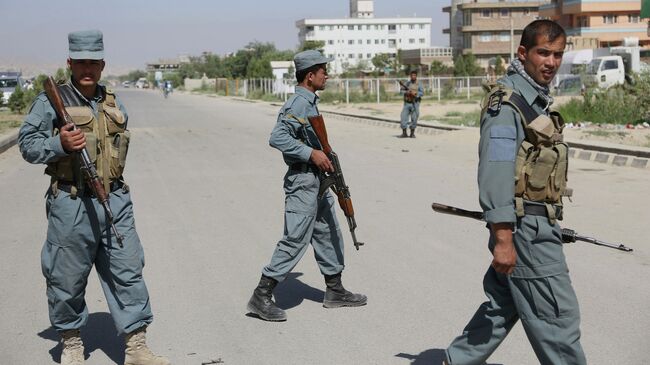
(126, 83)
(142, 83)
(8, 83)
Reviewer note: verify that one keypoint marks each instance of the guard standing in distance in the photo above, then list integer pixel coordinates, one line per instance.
(522, 177)
(413, 92)
(308, 218)
(77, 234)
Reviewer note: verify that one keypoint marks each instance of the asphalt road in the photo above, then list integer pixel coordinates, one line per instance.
(208, 201)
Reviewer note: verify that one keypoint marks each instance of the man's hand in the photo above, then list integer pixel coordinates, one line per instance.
(72, 141)
(505, 255)
(320, 159)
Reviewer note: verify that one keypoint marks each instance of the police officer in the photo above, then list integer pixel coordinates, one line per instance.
(307, 218)
(528, 279)
(411, 109)
(77, 235)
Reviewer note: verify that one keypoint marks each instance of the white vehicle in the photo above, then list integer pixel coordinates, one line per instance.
(142, 83)
(615, 68)
(8, 83)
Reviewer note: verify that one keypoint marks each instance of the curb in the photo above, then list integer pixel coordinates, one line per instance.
(624, 157)
(8, 141)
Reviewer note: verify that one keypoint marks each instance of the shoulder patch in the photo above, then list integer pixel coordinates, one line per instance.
(503, 143)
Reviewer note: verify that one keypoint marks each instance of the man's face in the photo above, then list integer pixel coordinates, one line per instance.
(543, 61)
(86, 72)
(414, 77)
(319, 78)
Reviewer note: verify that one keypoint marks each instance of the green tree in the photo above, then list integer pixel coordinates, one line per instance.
(466, 65)
(16, 101)
(381, 61)
(307, 45)
(61, 75)
(499, 68)
(438, 68)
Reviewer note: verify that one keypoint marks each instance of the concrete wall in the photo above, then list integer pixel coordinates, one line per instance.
(193, 84)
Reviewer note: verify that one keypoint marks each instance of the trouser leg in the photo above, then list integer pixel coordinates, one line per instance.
(404, 117)
(301, 204)
(120, 270)
(488, 327)
(66, 260)
(327, 239)
(551, 318)
(415, 114)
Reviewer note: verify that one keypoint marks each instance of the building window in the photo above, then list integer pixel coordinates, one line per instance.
(467, 41)
(360, 56)
(632, 18)
(467, 18)
(350, 41)
(422, 40)
(610, 19)
(583, 21)
(351, 55)
(350, 27)
(369, 55)
(411, 40)
(421, 26)
(330, 55)
(321, 27)
(376, 41)
(526, 12)
(505, 13)
(485, 37)
(310, 28)
(331, 27)
(412, 26)
(360, 41)
(383, 41)
(330, 41)
(392, 28)
(504, 37)
(485, 13)
(368, 41)
(391, 43)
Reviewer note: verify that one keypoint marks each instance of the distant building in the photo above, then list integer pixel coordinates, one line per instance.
(482, 27)
(423, 57)
(362, 36)
(593, 24)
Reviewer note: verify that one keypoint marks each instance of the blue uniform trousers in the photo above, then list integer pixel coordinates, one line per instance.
(410, 114)
(538, 292)
(307, 219)
(77, 239)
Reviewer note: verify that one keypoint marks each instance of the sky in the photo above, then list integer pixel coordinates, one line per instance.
(33, 33)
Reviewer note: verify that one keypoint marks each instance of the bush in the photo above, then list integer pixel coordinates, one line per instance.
(17, 100)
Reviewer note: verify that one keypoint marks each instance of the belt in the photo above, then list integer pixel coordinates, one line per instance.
(304, 167)
(540, 210)
(68, 185)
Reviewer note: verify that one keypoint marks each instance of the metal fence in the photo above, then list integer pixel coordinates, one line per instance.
(370, 90)
(379, 90)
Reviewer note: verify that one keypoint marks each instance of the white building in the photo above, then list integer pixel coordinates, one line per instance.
(362, 36)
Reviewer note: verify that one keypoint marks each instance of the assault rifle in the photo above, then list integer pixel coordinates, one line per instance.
(568, 235)
(87, 166)
(409, 97)
(335, 179)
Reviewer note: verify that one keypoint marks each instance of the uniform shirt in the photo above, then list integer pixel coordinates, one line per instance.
(501, 136)
(420, 89)
(37, 142)
(292, 134)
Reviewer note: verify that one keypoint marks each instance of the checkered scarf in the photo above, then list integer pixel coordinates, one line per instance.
(544, 92)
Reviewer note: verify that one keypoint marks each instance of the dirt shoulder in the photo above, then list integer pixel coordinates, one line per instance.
(466, 113)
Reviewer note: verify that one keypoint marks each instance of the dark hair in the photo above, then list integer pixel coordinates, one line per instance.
(300, 75)
(543, 27)
(413, 72)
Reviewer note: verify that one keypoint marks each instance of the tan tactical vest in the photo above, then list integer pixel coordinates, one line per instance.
(107, 140)
(542, 159)
(414, 86)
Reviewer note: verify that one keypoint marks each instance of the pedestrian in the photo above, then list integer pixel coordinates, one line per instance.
(78, 235)
(308, 218)
(413, 92)
(522, 178)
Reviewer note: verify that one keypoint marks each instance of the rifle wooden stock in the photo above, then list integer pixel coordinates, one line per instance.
(408, 96)
(90, 172)
(318, 124)
(446, 209)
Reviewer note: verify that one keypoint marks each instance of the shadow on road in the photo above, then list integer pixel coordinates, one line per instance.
(291, 292)
(428, 357)
(98, 334)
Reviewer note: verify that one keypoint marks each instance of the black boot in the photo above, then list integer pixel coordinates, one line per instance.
(403, 133)
(412, 133)
(262, 304)
(336, 296)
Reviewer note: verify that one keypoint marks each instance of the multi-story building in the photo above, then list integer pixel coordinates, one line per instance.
(361, 37)
(484, 27)
(608, 22)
